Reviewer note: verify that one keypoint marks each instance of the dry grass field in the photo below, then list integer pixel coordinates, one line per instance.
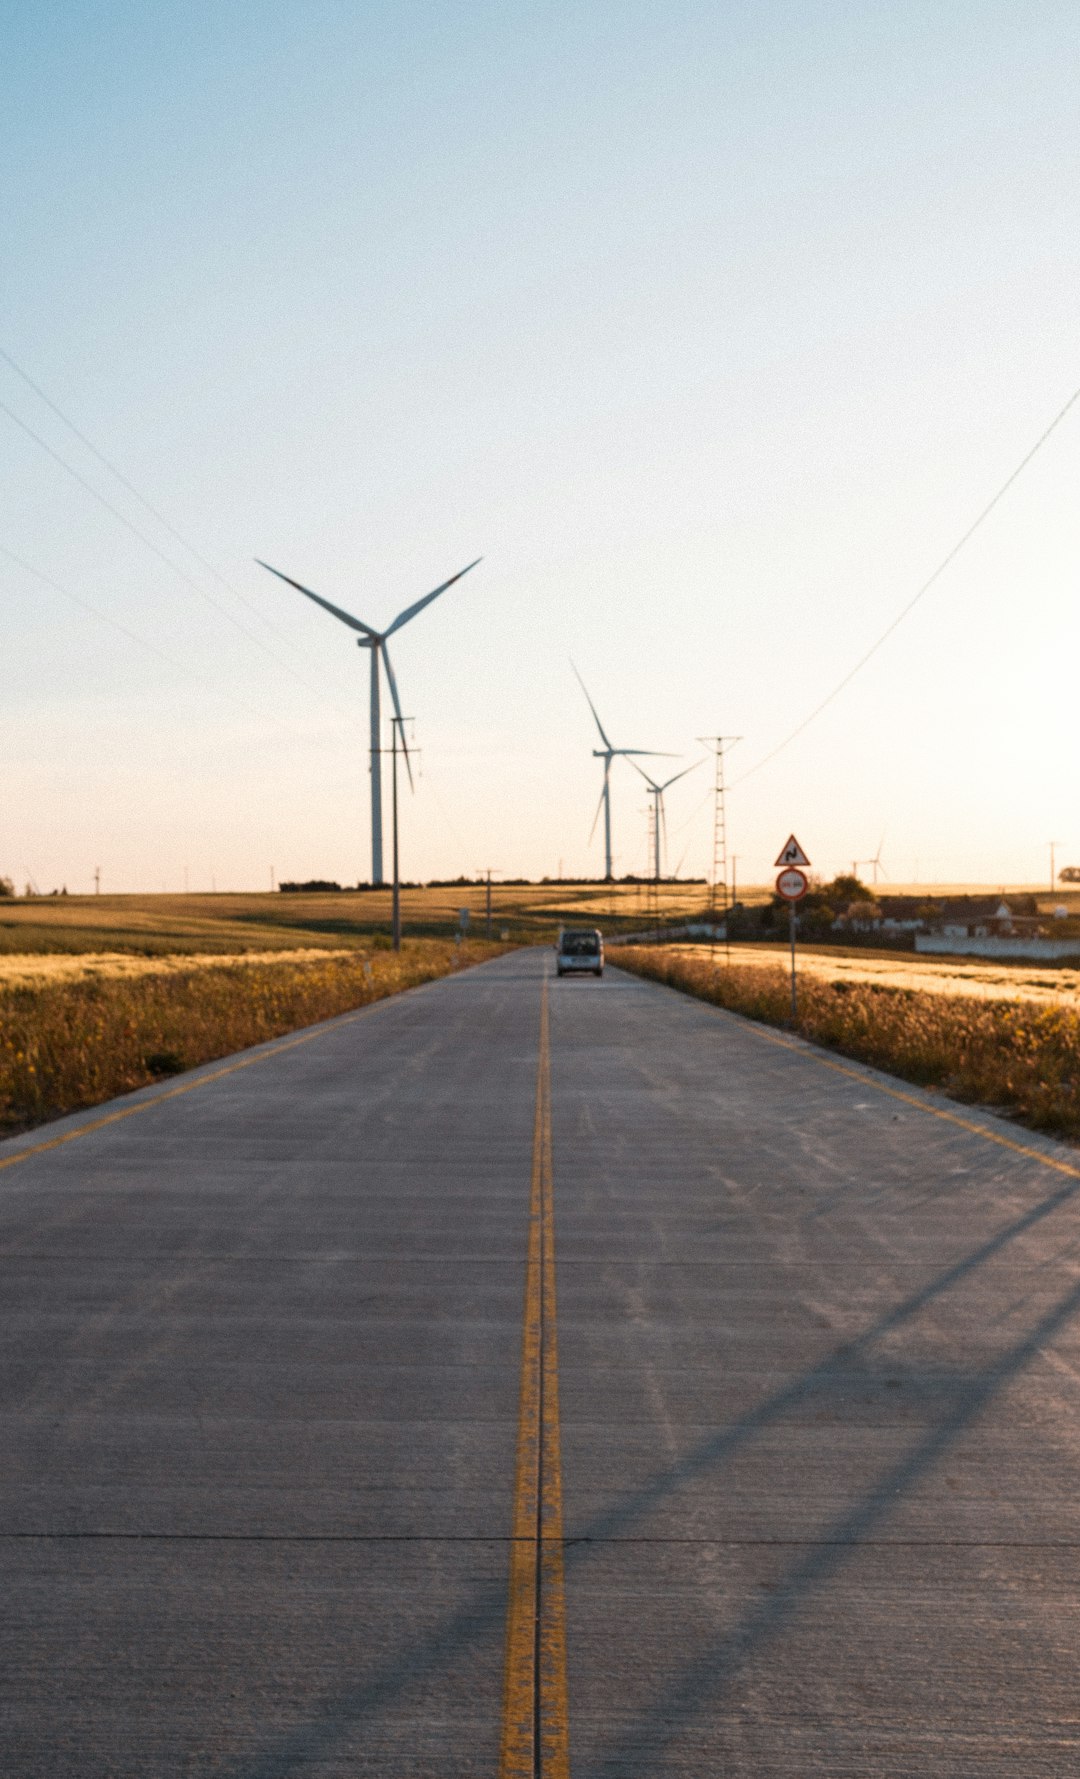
(233, 924)
(1015, 1056)
(929, 975)
(69, 1043)
(43, 969)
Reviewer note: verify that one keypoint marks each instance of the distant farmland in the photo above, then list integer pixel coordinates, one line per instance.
(324, 920)
(229, 924)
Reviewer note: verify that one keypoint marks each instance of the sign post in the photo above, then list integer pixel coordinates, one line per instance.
(792, 885)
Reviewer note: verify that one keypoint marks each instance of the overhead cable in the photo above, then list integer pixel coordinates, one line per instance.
(141, 498)
(945, 562)
(128, 525)
(133, 635)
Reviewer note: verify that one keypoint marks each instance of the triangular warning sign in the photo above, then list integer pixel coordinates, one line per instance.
(792, 853)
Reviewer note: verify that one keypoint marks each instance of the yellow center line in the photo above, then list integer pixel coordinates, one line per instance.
(535, 1727)
(172, 1093)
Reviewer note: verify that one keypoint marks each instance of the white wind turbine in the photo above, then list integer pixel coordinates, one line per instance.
(607, 753)
(874, 863)
(656, 792)
(375, 640)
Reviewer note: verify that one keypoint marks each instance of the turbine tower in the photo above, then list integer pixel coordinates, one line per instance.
(607, 753)
(375, 640)
(656, 792)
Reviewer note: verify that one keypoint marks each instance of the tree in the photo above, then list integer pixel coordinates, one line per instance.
(7, 888)
(846, 888)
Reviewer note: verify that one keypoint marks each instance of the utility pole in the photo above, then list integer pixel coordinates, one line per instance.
(394, 725)
(718, 881)
(653, 893)
(1053, 875)
(487, 872)
(97, 880)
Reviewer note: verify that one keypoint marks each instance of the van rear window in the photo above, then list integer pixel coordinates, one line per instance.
(580, 945)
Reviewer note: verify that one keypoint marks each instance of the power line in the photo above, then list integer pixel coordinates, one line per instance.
(945, 562)
(141, 498)
(128, 525)
(133, 636)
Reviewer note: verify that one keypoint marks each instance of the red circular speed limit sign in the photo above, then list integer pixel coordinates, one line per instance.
(792, 885)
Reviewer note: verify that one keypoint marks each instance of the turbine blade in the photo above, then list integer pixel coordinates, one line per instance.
(411, 610)
(646, 753)
(346, 618)
(592, 707)
(679, 775)
(651, 782)
(397, 712)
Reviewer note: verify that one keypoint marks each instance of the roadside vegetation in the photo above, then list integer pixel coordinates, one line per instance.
(66, 1045)
(1020, 1058)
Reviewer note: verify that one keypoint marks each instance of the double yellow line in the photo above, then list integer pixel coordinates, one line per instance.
(535, 1728)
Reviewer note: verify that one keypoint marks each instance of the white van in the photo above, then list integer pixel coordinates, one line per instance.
(579, 948)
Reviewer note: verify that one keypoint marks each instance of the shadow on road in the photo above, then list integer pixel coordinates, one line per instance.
(956, 1399)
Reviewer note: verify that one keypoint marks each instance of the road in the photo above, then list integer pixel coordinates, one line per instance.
(504, 1369)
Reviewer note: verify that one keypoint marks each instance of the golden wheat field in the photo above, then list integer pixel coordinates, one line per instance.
(41, 969)
(929, 975)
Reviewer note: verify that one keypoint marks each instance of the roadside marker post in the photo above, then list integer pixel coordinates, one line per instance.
(792, 885)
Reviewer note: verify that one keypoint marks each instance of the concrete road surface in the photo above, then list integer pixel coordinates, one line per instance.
(300, 1350)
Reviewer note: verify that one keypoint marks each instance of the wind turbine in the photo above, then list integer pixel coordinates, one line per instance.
(874, 863)
(607, 753)
(656, 792)
(375, 640)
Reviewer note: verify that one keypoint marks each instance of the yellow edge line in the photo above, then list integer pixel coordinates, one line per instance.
(807, 1048)
(173, 1093)
(534, 1690)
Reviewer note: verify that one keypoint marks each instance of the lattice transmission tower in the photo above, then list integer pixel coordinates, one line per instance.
(718, 877)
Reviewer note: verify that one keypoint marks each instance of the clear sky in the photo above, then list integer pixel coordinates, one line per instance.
(710, 326)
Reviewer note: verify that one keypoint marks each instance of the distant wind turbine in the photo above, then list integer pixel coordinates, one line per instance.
(607, 753)
(656, 792)
(874, 863)
(375, 640)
